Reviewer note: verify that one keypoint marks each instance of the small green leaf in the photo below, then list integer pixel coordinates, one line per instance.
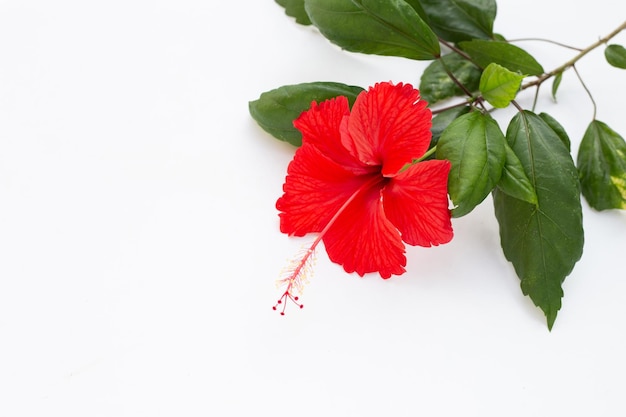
(511, 57)
(474, 145)
(390, 27)
(616, 56)
(602, 167)
(459, 20)
(543, 241)
(276, 110)
(436, 84)
(514, 180)
(295, 8)
(556, 83)
(558, 129)
(499, 86)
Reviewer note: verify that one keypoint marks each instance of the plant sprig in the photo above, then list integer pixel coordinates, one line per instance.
(528, 168)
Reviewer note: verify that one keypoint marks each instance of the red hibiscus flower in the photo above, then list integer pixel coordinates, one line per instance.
(356, 181)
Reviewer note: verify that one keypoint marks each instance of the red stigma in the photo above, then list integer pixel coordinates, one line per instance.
(286, 296)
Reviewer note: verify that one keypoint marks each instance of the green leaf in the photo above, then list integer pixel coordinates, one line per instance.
(474, 145)
(443, 119)
(511, 57)
(543, 241)
(276, 110)
(295, 8)
(417, 6)
(436, 84)
(498, 37)
(380, 27)
(602, 167)
(556, 83)
(514, 180)
(616, 56)
(558, 129)
(499, 86)
(459, 20)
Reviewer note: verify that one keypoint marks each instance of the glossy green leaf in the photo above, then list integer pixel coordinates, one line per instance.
(499, 86)
(443, 119)
(474, 145)
(436, 84)
(380, 27)
(556, 83)
(514, 180)
(417, 6)
(602, 167)
(543, 241)
(511, 57)
(616, 56)
(276, 110)
(558, 129)
(295, 8)
(459, 20)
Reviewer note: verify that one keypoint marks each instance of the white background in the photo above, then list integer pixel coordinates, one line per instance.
(139, 242)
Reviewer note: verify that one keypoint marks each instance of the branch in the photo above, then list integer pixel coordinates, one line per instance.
(572, 61)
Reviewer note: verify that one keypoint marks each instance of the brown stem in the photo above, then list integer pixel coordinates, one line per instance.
(452, 106)
(572, 61)
(537, 82)
(453, 78)
(457, 51)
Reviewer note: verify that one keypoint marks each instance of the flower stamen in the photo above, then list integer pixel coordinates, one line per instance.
(295, 275)
(286, 296)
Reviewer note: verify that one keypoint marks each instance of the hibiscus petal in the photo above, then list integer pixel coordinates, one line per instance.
(416, 202)
(363, 240)
(314, 190)
(320, 126)
(388, 126)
